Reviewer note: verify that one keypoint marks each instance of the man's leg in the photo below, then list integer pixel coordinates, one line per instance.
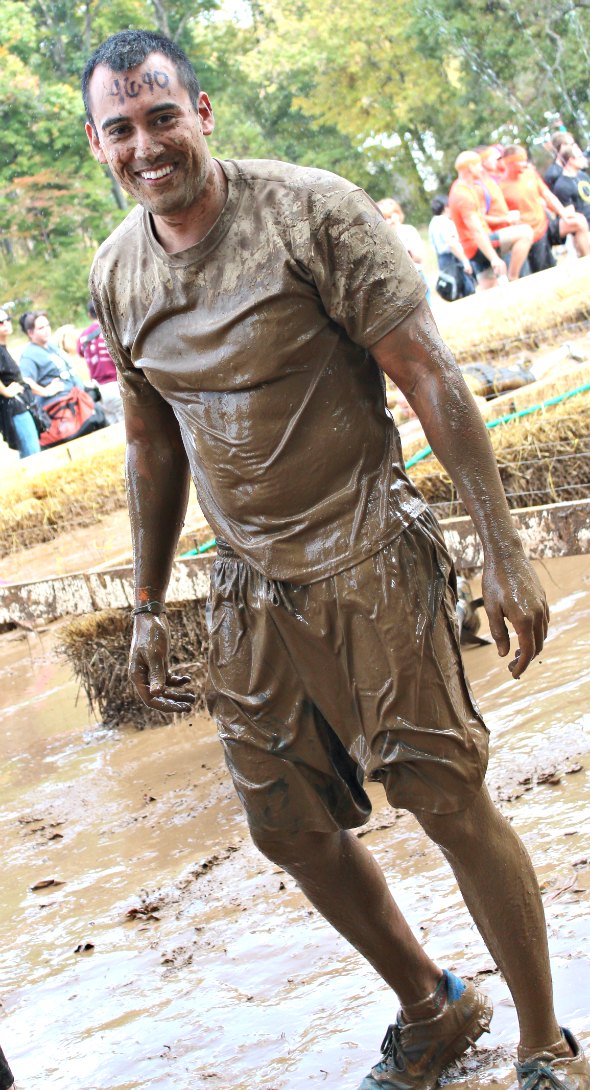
(342, 880)
(498, 884)
(577, 225)
(517, 241)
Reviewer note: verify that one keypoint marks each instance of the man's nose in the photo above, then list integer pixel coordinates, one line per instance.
(147, 146)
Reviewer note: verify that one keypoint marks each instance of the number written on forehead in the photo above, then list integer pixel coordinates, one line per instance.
(131, 88)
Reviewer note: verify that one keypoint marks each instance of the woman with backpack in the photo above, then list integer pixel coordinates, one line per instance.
(456, 278)
(16, 420)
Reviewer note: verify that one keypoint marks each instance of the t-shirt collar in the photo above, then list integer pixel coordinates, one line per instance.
(213, 237)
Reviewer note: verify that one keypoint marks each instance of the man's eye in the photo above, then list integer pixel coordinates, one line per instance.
(163, 119)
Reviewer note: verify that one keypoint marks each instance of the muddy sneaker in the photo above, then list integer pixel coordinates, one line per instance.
(415, 1053)
(545, 1072)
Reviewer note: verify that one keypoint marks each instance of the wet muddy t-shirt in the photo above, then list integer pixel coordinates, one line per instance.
(259, 337)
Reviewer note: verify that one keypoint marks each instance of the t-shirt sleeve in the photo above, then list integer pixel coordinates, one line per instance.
(130, 378)
(28, 368)
(366, 281)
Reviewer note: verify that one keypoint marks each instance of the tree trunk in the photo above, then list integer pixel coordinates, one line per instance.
(118, 193)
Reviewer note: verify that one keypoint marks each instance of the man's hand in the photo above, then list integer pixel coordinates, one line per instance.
(498, 266)
(513, 216)
(512, 592)
(54, 387)
(149, 667)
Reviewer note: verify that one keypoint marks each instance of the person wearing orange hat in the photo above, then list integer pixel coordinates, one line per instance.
(467, 206)
(525, 191)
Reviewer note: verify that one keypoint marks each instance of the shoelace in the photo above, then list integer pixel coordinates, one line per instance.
(392, 1049)
(534, 1072)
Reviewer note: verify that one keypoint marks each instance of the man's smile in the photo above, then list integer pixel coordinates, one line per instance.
(154, 174)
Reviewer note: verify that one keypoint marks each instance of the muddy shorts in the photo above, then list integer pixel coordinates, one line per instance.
(359, 675)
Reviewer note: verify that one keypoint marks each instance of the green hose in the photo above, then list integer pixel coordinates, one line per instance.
(421, 454)
(204, 548)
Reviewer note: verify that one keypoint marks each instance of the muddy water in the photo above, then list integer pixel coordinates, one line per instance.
(206, 968)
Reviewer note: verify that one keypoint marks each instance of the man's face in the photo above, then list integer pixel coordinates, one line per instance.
(41, 331)
(150, 134)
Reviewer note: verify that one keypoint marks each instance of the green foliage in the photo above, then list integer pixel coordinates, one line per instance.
(58, 285)
(386, 94)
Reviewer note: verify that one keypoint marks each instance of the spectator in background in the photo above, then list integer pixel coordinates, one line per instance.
(526, 191)
(393, 214)
(514, 239)
(572, 187)
(559, 142)
(47, 371)
(491, 157)
(91, 346)
(16, 423)
(446, 244)
(66, 340)
(467, 205)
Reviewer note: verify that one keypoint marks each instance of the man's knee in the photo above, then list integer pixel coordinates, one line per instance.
(464, 828)
(292, 851)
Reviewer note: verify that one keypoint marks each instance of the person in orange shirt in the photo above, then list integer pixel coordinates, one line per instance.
(514, 237)
(467, 208)
(525, 191)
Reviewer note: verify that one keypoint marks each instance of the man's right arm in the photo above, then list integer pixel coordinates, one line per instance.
(157, 475)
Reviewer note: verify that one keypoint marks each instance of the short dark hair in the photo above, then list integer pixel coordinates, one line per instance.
(28, 319)
(438, 204)
(129, 48)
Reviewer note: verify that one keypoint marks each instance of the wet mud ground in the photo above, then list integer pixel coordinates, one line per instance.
(161, 951)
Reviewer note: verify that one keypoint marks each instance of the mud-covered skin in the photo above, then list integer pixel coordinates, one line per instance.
(335, 870)
(454, 428)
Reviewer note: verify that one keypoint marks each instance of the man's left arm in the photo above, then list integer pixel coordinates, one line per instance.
(417, 360)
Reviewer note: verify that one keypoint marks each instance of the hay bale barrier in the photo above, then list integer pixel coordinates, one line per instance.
(528, 313)
(97, 648)
(543, 458)
(41, 507)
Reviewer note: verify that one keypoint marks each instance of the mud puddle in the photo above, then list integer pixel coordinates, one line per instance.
(161, 951)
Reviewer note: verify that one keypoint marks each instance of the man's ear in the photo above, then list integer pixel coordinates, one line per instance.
(206, 114)
(95, 143)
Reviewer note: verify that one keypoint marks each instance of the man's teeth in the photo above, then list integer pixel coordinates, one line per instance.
(161, 172)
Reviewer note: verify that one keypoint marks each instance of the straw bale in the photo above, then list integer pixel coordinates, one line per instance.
(97, 647)
(543, 458)
(527, 313)
(39, 508)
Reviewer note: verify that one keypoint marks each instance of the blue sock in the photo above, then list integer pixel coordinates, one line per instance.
(455, 986)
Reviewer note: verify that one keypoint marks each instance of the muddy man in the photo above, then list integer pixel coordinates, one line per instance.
(253, 308)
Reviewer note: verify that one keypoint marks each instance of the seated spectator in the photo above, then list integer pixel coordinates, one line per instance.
(526, 191)
(559, 142)
(572, 187)
(393, 214)
(513, 237)
(47, 371)
(467, 205)
(491, 157)
(65, 339)
(101, 368)
(450, 254)
(16, 423)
